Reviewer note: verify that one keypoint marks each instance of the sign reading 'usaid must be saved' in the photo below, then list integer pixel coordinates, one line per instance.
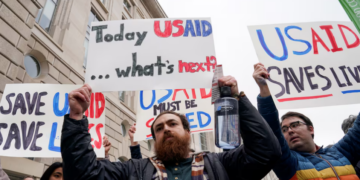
(151, 54)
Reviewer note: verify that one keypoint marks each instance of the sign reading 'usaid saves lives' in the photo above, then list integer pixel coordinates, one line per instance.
(310, 64)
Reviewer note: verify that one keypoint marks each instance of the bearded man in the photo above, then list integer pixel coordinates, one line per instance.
(174, 159)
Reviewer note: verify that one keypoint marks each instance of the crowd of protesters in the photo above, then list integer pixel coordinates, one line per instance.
(284, 144)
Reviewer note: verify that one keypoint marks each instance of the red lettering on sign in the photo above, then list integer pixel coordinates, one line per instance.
(328, 31)
(316, 39)
(178, 24)
(168, 29)
(190, 66)
(92, 106)
(181, 65)
(148, 122)
(193, 93)
(356, 43)
(203, 93)
(98, 143)
(177, 90)
(99, 98)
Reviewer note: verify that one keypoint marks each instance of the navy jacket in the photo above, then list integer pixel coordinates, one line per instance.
(332, 163)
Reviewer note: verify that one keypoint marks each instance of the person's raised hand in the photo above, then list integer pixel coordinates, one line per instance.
(79, 100)
(231, 82)
(107, 145)
(259, 75)
(131, 132)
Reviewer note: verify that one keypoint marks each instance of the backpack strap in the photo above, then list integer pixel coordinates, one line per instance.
(148, 170)
(209, 168)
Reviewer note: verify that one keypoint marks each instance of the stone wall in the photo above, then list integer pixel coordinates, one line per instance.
(60, 52)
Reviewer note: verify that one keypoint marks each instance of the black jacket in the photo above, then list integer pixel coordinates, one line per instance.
(250, 161)
(135, 152)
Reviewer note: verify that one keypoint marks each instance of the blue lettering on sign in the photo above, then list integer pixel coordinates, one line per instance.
(166, 96)
(52, 146)
(198, 29)
(267, 50)
(190, 120)
(199, 113)
(299, 40)
(205, 24)
(65, 109)
(189, 28)
(142, 100)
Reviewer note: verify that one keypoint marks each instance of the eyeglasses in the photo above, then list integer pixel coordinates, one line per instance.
(293, 125)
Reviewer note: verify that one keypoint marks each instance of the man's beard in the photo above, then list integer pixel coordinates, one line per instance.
(173, 150)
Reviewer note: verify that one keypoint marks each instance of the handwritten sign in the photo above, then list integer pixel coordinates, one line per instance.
(31, 119)
(195, 104)
(310, 64)
(153, 53)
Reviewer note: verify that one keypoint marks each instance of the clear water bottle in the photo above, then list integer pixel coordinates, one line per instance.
(227, 125)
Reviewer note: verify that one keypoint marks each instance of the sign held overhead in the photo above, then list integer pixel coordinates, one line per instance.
(154, 53)
(310, 64)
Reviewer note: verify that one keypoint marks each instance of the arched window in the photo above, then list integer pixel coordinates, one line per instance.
(123, 130)
(32, 66)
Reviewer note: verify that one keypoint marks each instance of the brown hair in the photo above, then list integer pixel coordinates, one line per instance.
(32, 177)
(348, 123)
(182, 117)
(299, 115)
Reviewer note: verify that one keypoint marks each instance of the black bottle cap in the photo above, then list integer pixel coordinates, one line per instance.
(225, 91)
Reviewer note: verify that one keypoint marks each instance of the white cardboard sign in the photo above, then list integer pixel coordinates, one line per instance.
(150, 54)
(310, 64)
(195, 104)
(31, 119)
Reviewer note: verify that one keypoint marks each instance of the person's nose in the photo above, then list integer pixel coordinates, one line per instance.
(166, 128)
(290, 131)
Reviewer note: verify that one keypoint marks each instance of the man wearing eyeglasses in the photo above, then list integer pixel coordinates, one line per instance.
(301, 158)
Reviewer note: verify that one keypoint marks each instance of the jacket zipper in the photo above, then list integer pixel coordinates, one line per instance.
(337, 176)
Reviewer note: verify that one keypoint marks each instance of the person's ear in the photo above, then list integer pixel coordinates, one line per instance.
(311, 129)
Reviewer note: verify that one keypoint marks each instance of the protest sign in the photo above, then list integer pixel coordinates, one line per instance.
(195, 104)
(352, 9)
(150, 54)
(310, 64)
(215, 89)
(31, 119)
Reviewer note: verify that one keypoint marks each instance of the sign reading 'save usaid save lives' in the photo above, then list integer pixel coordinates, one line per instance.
(195, 104)
(310, 64)
(150, 54)
(32, 115)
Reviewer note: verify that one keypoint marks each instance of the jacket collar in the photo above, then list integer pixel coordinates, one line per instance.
(319, 150)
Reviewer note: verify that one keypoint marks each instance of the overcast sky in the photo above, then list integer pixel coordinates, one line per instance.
(235, 50)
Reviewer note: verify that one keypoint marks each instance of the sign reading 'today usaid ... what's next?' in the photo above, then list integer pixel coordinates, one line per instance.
(150, 54)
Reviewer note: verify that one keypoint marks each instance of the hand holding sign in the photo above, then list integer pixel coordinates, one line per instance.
(79, 101)
(107, 145)
(260, 74)
(132, 131)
